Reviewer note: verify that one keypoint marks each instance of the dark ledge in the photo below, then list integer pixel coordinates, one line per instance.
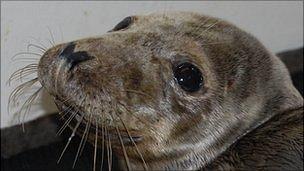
(293, 59)
(39, 132)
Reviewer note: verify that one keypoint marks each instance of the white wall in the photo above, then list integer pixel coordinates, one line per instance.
(279, 25)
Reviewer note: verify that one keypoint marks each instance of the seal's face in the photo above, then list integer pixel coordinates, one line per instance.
(173, 84)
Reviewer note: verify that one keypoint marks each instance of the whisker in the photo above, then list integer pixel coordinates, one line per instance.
(19, 76)
(123, 149)
(43, 50)
(32, 66)
(27, 105)
(42, 45)
(52, 37)
(61, 34)
(95, 146)
(70, 138)
(28, 68)
(18, 91)
(66, 99)
(19, 60)
(66, 111)
(137, 150)
(108, 150)
(81, 141)
(130, 137)
(110, 147)
(85, 139)
(69, 108)
(50, 42)
(122, 145)
(103, 143)
(67, 123)
(25, 53)
(70, 118)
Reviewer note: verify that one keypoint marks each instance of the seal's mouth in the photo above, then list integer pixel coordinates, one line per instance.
(75, 119)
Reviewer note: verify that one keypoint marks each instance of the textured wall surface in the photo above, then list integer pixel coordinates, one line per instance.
(279, 25)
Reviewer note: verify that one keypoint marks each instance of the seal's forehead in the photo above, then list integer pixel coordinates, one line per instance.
(156, 20)
(170, 18)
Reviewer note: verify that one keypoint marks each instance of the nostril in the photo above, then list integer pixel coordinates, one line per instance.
(73, 58)
(69, 49)
(77, 57)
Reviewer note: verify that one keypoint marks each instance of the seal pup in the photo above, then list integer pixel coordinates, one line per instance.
(170, 91)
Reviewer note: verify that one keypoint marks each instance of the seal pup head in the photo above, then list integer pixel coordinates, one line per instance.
(167, 91)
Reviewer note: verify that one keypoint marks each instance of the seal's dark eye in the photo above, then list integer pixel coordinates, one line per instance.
(123, 24)
(188, 76)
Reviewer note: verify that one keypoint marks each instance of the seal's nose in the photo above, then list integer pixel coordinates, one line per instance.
(73, 58)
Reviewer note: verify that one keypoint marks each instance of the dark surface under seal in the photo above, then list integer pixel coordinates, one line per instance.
(43, 156)
(39, 148)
